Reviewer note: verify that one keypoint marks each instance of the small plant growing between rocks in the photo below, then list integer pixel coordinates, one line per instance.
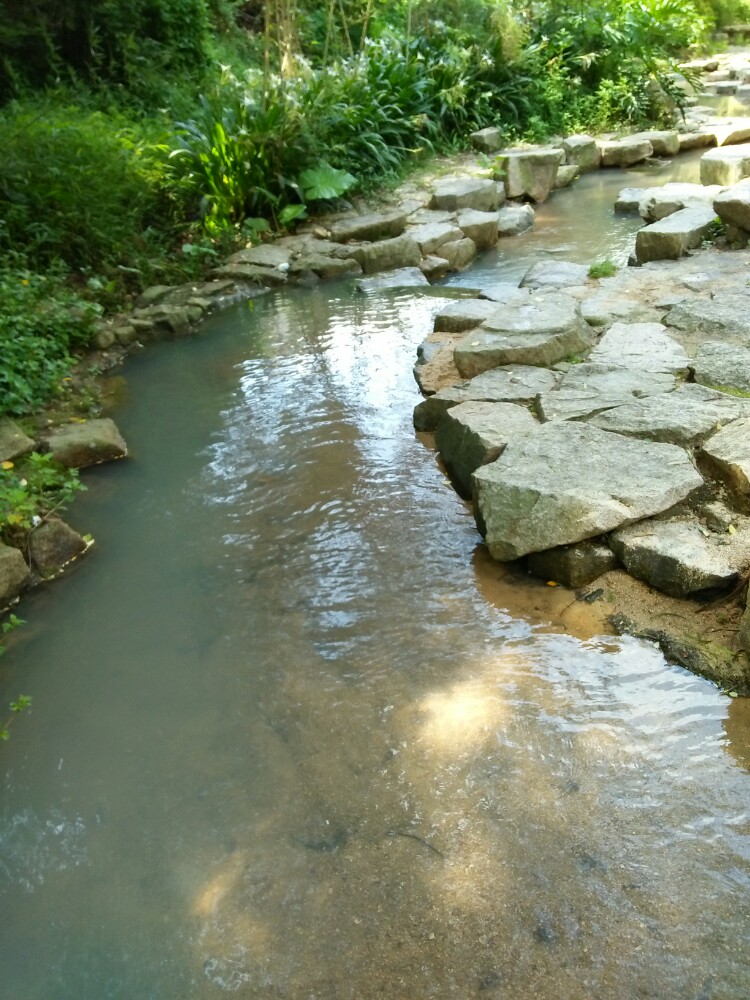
(603, 269)
(31, 490)
(23, 701)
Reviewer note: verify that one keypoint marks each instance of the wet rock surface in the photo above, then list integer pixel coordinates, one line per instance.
(52, 545)
(90, 442)
(15, 575)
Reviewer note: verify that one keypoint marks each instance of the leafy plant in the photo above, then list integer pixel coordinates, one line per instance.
(323, 182)
(603, 269)
(30, 490)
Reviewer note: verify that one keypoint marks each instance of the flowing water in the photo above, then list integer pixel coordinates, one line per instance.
(295, 736)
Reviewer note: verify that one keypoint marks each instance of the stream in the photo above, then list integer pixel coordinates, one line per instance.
(295, 736)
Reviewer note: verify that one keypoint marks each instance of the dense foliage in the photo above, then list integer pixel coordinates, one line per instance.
(138, 133)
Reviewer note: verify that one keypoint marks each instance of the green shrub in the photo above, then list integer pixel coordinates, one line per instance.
(603, 269)
(31, 488)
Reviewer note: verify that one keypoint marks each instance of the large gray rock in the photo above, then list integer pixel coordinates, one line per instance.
(725, 165)
(726, 316)
(459, 253)
(455, 193)
(671, 238)
(481, 227)
(573, 565)
(629, 198)
(514, 220)
(431, 235)
(569, 481)
(677, 557)
(722, 366)
(728, 454)
(541, 331)
(663, 143)
(372, 227)
(14, 574)
(77, 446)
(658, 202)
(473, 433)
(624, 152)
(403, 277)
(582, 151)
(387, 255)
(464, 314)
(555, 274)
(733, 205)
(433, 267)
(323, 266)
(605, 307)
(13, 441)
(685, 417)
(52, 545)
(588, 389)
(696, 138)
(487, 140)
(642, 346)
(529, 172)
(516, 384)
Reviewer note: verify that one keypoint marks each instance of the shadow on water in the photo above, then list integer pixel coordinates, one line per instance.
(296, 736)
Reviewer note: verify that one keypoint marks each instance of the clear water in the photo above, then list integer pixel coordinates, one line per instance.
(295, 736)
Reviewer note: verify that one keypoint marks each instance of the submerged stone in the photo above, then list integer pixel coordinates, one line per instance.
(569, 481)
(574, 565)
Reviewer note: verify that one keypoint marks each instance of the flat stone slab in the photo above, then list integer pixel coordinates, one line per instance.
(659, 202)
(624, 152)
(52, 545)
(514, 384)
(570, 481)
(573, 565)
(680, 558)
(698, 138)
(663, 143)
(541, 331)
(481, 227)
(91, 442)
(14, 574)
(266, 255)
(475, 433)
(686, 416)
(324, 266)
(725, 165)
(726, 315)
(566, 174)
(629, 198)
(506, 294)
(733, 205)
(728, 453)
(514, 220)
(431, 235)
(731, 131)
(371, 227)
(643, 346)
(403, 277)
(672, 237)
(459, 253)
(529, 172)
(387, 255)
(465, 314)
(487, 140)
(13, 441)
(582, 151)
(588, 389)
(454, 193)
(604, 307)
(723, 366)
(555, 274)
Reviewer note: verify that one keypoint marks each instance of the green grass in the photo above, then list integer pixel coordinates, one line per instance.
(603, 269)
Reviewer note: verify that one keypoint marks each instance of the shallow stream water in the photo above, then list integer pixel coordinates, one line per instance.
(295, 736)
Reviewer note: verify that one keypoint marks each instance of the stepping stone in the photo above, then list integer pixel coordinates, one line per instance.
(659, 202)
(570, 481)
(624, 152)
(629, 199)
(14, 574)
(403, 277)
(663, 143)
(722, 366)
(566, 174)
(728, 453)
(13, 441)
(459, 253)
(730, 131)
(582, 151)
(481, 227)
(588, 389)
(79, 445)
(514, 384)
(604, 307)
(541, 331)
(372, 227)
(725, 316)
(555, 274)
(506, 294)
(323, 266)
(686, 416)
(514, 220)
(434, 268)
(733, 205)
(386, 255)
(466, 314)
(726, 166)
(431, 235)
(487, 140)
(699, 138)
(455, 193)
(643, 346)
(671, 238)
(678, 558)
(529, 173)
(267, 255)
(475, 433)
(575, 565)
